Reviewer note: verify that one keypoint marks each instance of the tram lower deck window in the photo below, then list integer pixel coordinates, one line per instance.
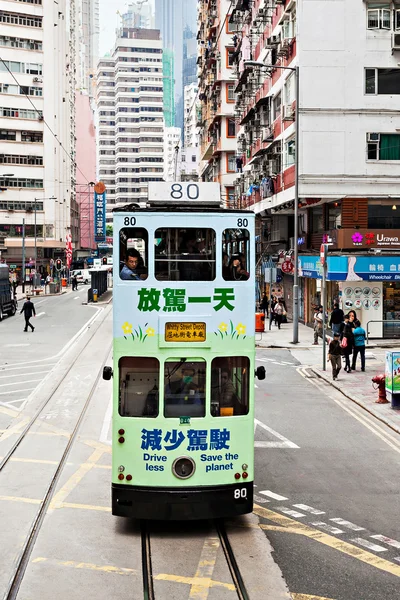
(184, 254)
(184, 388)
(235, 254)
(230, 386)
(133, 248)
(138, 387)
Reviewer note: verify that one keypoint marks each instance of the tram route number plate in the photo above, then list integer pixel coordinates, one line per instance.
(185, 332)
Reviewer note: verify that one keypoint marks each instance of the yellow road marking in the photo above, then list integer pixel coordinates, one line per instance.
(205, 569)
(47, 433)
(307, 597)
(16, 499)
(41, 461)
(204, 582)
(14, 430)
(99, 446)
(84, 506)
(9, 412)
(292, 526)
(75, 478)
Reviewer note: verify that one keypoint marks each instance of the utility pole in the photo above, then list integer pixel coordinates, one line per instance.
(23, 256)
(296, 215)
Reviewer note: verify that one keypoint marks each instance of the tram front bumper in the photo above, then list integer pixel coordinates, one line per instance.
(175, 504)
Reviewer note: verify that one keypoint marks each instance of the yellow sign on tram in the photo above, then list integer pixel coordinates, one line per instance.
(185, 332)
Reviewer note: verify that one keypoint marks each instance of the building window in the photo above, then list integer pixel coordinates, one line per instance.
(230, 162)
(230, 52)
(277, 101)
(382, 216)
(383, 146)
(230, 128)
(382, 81)
(317, 219)
(334, 215)
(230, 194)
(378, 18)
(230, 93)
(290, 153)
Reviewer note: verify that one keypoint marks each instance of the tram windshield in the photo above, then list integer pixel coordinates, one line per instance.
(184, 388)
(138, 387)
(133, 254)
(184, 254)
(230, 386)
(235, 255)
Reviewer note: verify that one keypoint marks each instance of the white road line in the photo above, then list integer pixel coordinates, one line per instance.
(288, 443)
(40, 314)
(290, 512)
(106, 423)
(28, 366)
(256, 386)
(273, 495)
(386, 540)
(76, 298)
(274, 445)
(19, 383)
(260, 500)
(369, 545)
(397, 559)
(16, 345)
(347, 524)
(23, 374)
(15, 391)
(310, 509)
(328, 528)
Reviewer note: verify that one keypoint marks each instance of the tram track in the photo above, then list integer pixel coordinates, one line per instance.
(22, 560)
(147, 569)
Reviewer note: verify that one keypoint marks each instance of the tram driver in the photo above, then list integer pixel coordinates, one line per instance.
(183, 392)
(224, 398)
(133, 268)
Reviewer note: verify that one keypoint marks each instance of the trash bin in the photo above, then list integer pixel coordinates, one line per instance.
(260, 322)
(95, 295)
(392, 375)
(64, 282)
(53, 288)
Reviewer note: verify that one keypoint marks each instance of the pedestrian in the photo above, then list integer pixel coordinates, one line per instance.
(74, 282)
(318, 323)
(279, 310)
(359, 345)
(337, 317)
(335, 355)
(28, 309)
(347, 342)
(271, 311)
(264, 304)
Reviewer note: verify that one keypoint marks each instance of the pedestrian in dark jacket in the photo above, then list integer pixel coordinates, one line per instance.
(337, 317)
(335, 356)
(359, 345)
(28, 309)
(347, 342)
(264, 304)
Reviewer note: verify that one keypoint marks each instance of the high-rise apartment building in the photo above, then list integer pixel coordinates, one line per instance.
(347, 150)
(216, 118)
(190, 134)
(37, 86)
(172, 153)
(139, 14)
(87, 44)
(130, 113)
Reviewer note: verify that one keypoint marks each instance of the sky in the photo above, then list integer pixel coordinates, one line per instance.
(109, 21)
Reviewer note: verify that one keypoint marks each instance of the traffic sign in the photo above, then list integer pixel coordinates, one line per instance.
(323, 253)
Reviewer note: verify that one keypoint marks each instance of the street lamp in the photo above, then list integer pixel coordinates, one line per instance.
(295, 70)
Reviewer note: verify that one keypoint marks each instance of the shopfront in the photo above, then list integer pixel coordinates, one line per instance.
(370, 285)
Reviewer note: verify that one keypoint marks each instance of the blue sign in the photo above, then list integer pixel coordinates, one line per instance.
(352, 268)
(100, 217)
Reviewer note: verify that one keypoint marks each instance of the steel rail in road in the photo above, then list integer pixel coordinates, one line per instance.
(22, 561)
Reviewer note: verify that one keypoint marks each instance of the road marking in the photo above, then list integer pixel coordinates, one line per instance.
(273, 495)
(106, 423)
(386, 540)
(308, 597)
(76, 298)
(9, 411)
(17, 499)
(16, 345)
(287, 443)
(369, 545)
(14, 429)
(40, 314)
(291, 526)
(259, 499)
(205, 569)
(347, 524)
(290, 512)
(28, 366)
(328, 528)
(23, 374)
(310, 509)
(15, 391)
(19, 383)
(86, 566)
(84, 506)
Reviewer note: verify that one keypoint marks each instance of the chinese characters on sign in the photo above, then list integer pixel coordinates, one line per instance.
(175, 300)
(99, 217)
(195, 439)
(185, 332)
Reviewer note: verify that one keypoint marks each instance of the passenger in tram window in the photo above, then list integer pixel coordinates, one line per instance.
(225, 266)
(183, 391)
(236, 270)
(133, 268)
(196, 268)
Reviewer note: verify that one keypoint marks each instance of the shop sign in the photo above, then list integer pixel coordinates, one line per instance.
(352, 268)
(366, 238)
(287, 266)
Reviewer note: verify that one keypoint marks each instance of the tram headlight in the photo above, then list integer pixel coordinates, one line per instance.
(121, 469)
(183, 467)
(245, 467)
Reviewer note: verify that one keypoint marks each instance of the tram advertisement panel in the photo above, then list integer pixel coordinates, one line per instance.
(183, 347)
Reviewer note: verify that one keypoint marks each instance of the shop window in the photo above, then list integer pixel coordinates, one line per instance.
(317, 219)
(184, 254)
(235, 254)
(133, 248)
(382, 216)
(230, 386)
(138, 387)
(184, 388)
(334, 215)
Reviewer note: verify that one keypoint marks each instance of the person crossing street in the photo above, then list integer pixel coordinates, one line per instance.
(28, 309)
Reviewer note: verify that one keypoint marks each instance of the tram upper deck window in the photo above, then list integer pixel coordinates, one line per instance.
(184, 388)
(230, 386)
(133, 248)
(235, 254)
(184, 254)
(138, 387)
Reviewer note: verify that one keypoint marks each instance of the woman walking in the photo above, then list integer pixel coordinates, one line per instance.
(347, 342)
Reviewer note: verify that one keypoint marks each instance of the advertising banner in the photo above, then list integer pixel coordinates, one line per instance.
(100, 217)
(352, 268)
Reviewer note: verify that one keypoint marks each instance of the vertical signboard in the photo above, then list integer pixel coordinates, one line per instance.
(99, 212)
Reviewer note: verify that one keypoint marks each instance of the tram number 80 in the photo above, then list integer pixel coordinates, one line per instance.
(240, 493)
(191, 191)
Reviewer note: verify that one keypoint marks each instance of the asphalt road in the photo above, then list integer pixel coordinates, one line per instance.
(328, 487)
(26, 358)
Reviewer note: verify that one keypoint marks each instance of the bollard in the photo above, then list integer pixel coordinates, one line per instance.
(95, 295)
(379, 380)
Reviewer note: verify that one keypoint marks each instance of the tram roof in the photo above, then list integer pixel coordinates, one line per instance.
(180, 208)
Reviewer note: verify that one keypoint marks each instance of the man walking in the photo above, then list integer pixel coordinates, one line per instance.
(318, 323)
(335, 356)
(28, 309)
(337, 318)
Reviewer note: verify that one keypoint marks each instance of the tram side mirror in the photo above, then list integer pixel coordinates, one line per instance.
(260, 373)
(107, 373)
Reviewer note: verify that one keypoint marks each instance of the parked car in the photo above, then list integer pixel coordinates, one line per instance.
(82, 275)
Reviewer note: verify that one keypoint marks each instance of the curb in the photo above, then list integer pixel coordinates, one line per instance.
(357, 401)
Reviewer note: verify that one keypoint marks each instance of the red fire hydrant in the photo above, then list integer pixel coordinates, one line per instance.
(379, 380)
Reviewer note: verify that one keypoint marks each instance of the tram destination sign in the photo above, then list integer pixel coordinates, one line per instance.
(185, 192)
(185, 332)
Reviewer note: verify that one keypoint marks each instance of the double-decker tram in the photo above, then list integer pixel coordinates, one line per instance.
(184, 349)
